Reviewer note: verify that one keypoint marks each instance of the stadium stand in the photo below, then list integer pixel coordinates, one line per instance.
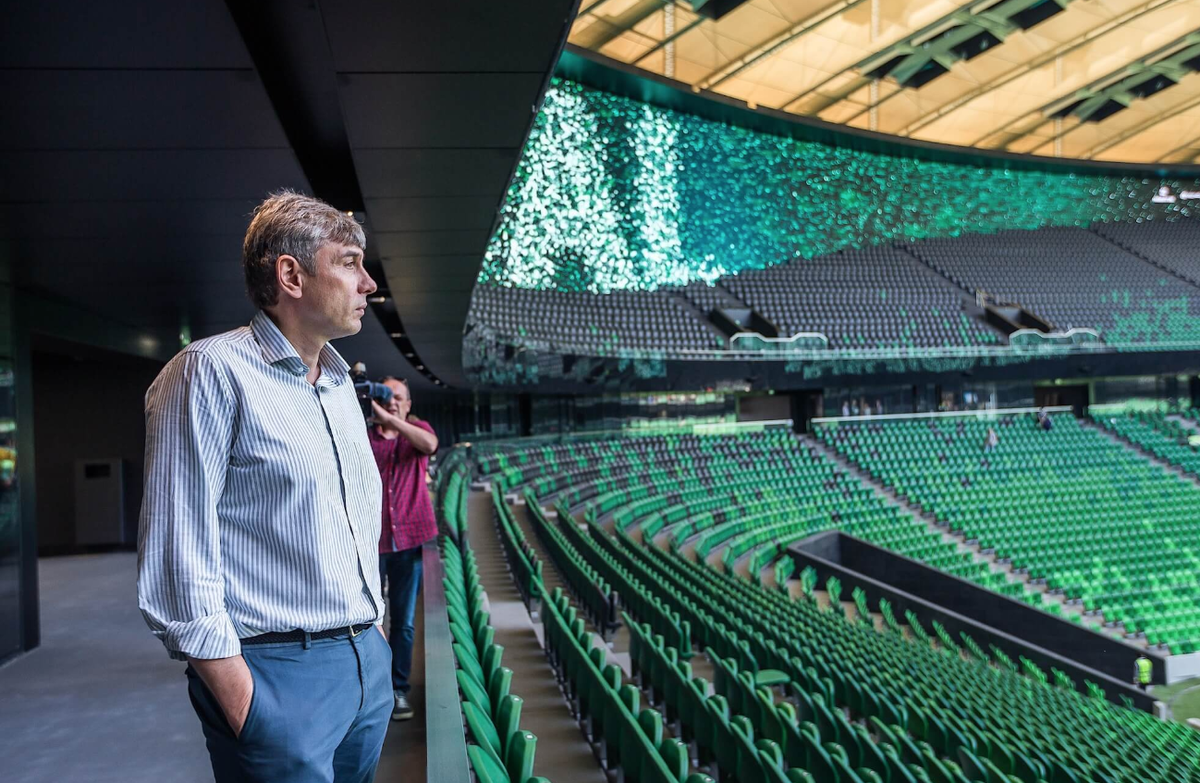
(751, 491)
(1072, 278)
(708, 297)
(894, 295)
(881, 701)
(1155, 434)
(1174, 246)
(1090, 516)
(876, 297)
(603, 324)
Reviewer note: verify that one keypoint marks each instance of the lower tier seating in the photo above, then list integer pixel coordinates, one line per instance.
(500, 752)
(803, 692)
(1093, 518)
(1156, 434)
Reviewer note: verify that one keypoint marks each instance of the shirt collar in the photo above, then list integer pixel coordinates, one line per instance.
(278, 351)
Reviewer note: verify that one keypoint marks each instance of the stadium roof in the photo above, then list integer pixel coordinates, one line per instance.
(1104, 80)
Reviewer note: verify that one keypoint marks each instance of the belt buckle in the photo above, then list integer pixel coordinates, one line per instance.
(354, 632)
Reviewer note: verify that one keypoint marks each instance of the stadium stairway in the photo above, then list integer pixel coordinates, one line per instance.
(562, 755)
(699, 313)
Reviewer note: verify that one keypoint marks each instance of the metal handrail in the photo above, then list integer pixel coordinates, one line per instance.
(986, 413)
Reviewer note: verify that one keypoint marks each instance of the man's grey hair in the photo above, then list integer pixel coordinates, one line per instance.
(291, 224)
(401, 381)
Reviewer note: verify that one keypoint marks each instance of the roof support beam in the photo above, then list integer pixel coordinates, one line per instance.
(776, 43)
(1143, 126)
(1110, 80)
(673, 37)
(906, 45)
(1049, 57)
(603, 30)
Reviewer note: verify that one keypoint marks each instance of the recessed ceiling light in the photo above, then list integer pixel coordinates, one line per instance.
(397, 335)
(376, 299)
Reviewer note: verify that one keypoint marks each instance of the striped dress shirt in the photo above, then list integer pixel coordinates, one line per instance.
(262, 502)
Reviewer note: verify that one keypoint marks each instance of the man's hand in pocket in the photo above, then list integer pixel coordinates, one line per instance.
(231, 684)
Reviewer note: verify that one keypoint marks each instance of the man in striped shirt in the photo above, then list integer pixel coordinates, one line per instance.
(261, 516)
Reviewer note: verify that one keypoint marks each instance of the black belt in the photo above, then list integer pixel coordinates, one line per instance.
(300, 636)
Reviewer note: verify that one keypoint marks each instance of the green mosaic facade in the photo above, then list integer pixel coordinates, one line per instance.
(614, 194)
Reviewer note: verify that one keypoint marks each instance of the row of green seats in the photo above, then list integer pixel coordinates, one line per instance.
(1095, 519)
(452, 500)
(1155, 433)
(501, 752)
(949, 701)
(630, 738)
(726, 739)
(766, 759)
(779, 492)
(586, 584)
(627, 585)
(522, 559)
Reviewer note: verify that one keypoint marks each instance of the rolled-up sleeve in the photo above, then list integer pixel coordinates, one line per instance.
(190, 420)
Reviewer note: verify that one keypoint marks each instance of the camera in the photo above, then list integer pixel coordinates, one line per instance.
(367, 390)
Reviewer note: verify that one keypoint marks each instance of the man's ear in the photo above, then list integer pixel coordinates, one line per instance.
(289, 276)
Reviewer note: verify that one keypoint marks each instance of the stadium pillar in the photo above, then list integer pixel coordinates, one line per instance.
(1194, 389)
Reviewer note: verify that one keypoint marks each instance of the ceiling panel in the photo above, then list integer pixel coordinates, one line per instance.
(108, 219)
(120, 34)
(432, 213)
(409, 244)
(90, 109)
(391, 173)
(138, 174)
(473, 109)
(457, 36)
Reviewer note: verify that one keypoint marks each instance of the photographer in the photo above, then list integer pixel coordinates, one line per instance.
(402, 444)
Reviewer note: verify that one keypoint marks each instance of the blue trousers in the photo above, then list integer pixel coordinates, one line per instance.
(318, 715)
(400, 576)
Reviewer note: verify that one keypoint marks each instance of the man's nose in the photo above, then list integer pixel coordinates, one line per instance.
(366, 285)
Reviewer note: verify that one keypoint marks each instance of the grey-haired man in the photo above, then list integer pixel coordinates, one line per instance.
(261, 516)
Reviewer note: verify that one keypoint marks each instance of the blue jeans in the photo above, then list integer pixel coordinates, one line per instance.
(400, 575)
(319, 712)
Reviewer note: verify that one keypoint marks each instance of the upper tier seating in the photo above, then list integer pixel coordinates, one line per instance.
(1173, 245)
(603, 324)
(1092, 517)
(891, 296)
(709, 297)
(877, 297)
(1072, 278)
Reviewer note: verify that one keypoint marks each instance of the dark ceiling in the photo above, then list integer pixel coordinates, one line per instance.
(139, 135)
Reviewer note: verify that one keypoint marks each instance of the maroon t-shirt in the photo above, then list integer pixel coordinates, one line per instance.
(408, 519)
